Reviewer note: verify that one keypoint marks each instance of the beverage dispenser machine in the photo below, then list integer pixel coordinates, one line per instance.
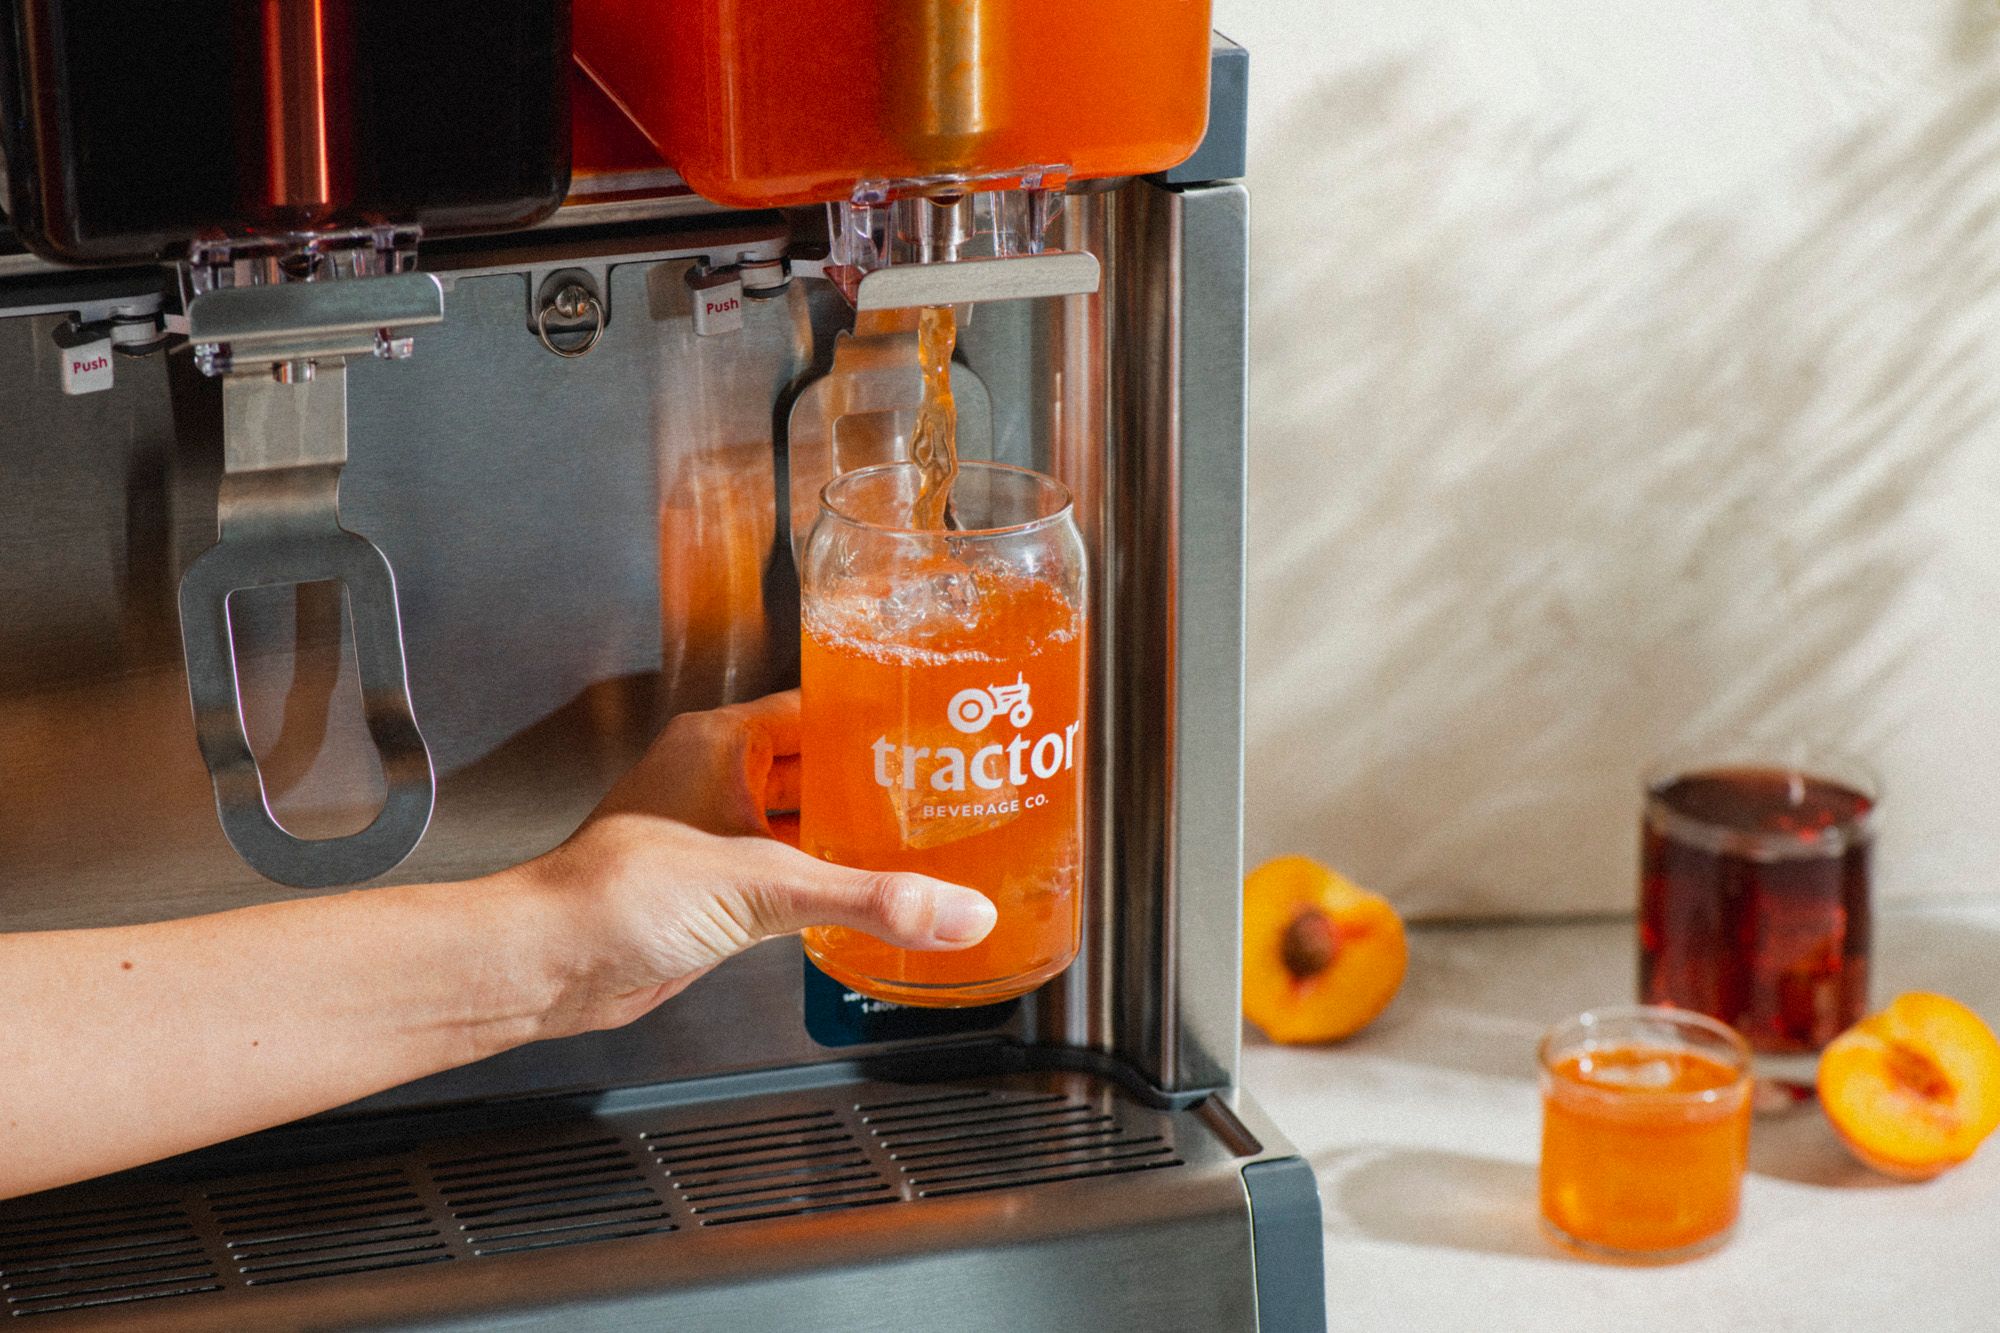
(410, 407)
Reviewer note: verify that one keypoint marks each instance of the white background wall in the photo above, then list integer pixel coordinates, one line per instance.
(1624, 374)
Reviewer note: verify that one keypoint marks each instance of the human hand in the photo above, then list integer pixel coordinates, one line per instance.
(731, 770)
(678, 870)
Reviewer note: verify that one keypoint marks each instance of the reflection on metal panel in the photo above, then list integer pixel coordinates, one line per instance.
(525, 503)
(863, 411)
(1044, 363)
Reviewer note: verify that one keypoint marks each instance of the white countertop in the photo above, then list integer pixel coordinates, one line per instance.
(1424, 1131)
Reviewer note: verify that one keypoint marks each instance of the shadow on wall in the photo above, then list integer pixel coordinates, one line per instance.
(1545, 485)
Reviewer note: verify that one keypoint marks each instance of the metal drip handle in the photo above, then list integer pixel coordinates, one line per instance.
(282, 351)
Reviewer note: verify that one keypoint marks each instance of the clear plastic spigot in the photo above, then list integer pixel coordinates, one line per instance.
(942, 220)
(270, 257)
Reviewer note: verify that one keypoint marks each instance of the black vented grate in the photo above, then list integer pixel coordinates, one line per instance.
(772, 1166)
(327, 1225)
(615, 1176)
(978, 1139)
(65, 1259)
(537, 1198)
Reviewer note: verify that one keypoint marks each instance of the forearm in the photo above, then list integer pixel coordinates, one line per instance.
(128, 1044)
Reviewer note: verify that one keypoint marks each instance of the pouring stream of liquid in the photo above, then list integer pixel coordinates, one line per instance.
(934, 444)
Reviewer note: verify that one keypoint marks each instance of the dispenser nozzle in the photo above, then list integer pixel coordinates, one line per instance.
(950, 239)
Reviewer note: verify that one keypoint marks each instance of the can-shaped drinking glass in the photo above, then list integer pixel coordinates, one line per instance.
(942, 675)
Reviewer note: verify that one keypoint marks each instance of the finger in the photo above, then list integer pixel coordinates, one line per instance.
(907, 910)
(766, 733)
(775, 718)
(712, 769)
(781, 788)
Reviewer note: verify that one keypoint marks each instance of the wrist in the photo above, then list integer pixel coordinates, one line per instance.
(564, 931)
(537, 965)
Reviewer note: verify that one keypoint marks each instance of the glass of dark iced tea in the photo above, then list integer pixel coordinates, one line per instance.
(1753, 900)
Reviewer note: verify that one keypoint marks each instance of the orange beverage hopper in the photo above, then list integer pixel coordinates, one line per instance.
(759, 103)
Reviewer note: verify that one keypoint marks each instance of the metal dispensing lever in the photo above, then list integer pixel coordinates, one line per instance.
(281, 351)
(891, 250)
(1023, 277)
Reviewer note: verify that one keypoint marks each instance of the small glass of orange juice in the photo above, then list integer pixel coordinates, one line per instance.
(1645, 1132)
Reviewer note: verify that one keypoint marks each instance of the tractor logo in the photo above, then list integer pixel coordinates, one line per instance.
(971, 709)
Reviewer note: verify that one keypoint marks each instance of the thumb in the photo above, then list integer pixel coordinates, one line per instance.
(907, 910)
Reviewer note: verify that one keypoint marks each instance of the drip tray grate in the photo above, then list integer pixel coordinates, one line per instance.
(965, 1142)
(89, 1253)
(63, 1260)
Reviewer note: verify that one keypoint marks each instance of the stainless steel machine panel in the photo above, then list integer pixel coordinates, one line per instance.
(526, 503)
(1180, 419)
(582, 547)
(585, 545)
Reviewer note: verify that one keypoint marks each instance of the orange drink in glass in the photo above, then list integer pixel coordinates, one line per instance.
(1645, 1132)
(941, 674)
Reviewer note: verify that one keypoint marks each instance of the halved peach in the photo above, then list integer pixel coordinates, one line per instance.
(1321, 956)
(1914, 1089)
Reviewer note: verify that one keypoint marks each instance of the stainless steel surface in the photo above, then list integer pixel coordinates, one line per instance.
(670, 202)
(1176, 527)
(530, 633)
(818, 1200)
(1134, 397)
(297, 320)
(592, 256)
(544, 651)
(984, 280)
(28, 264)
(529, 506)
(131, 291)
(1044, 366)
(567, 305)
(1071, 367)
(637, 181)
(665, 200)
